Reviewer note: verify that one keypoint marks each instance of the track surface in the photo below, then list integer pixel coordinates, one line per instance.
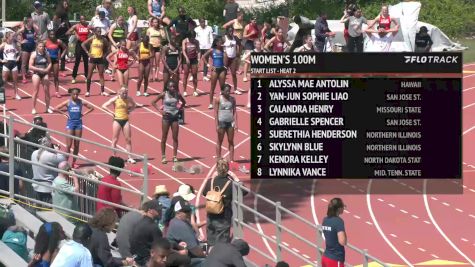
(398, 229)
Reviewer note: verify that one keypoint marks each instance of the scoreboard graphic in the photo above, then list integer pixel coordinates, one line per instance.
(376, 115)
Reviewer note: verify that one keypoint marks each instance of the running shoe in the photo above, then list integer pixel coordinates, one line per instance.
(87, 94)
(17, 97)
(164, 160)
(105, 93)
(146, 94)
(248, 105)
(195, 93)
(244, 79)
(191, 79)
(33, 111)
(131, 161)
(73, 81)
(185, 93)
(138, 93)
(50, 111)
(58, 95)
(205, 79)
(210, 106)
(175, 159)
(237, 92)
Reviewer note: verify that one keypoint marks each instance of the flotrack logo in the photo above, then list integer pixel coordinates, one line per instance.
(431, 59)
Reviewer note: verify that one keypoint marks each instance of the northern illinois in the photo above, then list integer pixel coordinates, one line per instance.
(289, 159)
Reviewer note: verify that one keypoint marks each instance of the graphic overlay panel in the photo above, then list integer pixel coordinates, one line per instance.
(356, 116)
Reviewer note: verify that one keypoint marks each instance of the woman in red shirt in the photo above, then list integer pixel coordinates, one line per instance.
(251, 34)
(122, 63)
(277, 43)
(81, 30)
(384, 19)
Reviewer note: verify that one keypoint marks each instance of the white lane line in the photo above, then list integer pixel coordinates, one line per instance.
(407, 242)
(414, 216)
(393, 235)
(378, 227)
(446, 204)
(464, 239)
(471, 215)
(369, 223)
(324, 200)
(403, 211)
(421, 249)
(426, 203)
(306, 256)
(434, 198)
(391, 205)
(427, 222)
(312, 204)
(381, 200)
(347, 212)
(296, 250)
(459, 210)
(357, 217)
(435, 256)
(472, 190)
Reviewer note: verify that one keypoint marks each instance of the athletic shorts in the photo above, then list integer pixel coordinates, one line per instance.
(155, 49)
(28, 47)
(74, 125)
(54, 61)
(170, 118)
(249, 45)
(225, 125)
(219, 70)
(193, 61)
(41, 75)
(134, 36)
(122, 122)
(98, 61)
(123, 71)
(327, 262)
(11, 65)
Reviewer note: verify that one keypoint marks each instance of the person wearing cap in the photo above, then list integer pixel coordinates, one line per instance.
(108, 9)
(423, 41)
(145, 232)
(186, 192)
(181, 231)
(42, 158)
(40, 18)
(61, 197)
(163, 198)
(228, 254)
(127, 224)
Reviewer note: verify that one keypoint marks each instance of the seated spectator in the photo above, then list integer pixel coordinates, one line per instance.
(43, 175)
(381, 39)
(127, 223)
(15, 238)
(163, 197)
(5, 178)
(74, 253)
(102, 223)
(218, 228)
(228, 254)
(180, 230)
(47, 244)
(282, 264)
(162, 255)
(145, 232)
(423, 40)
(108, 193)
(186, 192)
(64, 199)
(307, 46)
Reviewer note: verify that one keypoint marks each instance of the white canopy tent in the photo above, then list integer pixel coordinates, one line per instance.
(407, 14)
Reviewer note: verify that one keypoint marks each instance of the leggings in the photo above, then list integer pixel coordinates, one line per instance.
(79, 52)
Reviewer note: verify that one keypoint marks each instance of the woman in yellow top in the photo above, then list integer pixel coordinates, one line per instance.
(238, 25)
(156, 35)
(123, 105)
(144, 52)
(99, 46)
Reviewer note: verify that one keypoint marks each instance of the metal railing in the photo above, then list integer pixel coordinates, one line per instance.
(316, 243)
(87, 196)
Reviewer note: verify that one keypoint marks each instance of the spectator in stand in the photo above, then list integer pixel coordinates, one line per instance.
(61, 26)
(64, 199)
(182, 25)
(15, 237)
(4, 178)
(218, 228)
(108, 193)
(100, 21)
(43, 175)
(159, 253)
(267, 31)
(145, 232)
(157, 9)
(102, 223)
(204, 35)
(307, 45)
(47, 244)
(423, 40)
(163, 198)
(335, 236)
(181, 232)
(107, 7)
(322, 32)
(251, 34)
(127, 224)
(381, 39)
(74, 253)
(277, 43)
(41, 19)
(231, 9)
(355, 31)
(228, 254)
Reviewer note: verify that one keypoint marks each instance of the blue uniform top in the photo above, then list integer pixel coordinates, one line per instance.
(75, 110)
(331, 227)
(218, 58)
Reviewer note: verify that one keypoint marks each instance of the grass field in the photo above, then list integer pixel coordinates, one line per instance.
(469, 54)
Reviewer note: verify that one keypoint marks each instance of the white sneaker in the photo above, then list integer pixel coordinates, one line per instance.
(248, 106)
(244, 79)
(17, 97)
(191, 79)
(105, 93)
(131, 161)
(138, 93)
(146, 94)
(237, 92)
(50, 111)
(73, 81)
(210, 106)
(185, 94)
(205, 78)
(87, 94)
(195, 93)
(33, 111)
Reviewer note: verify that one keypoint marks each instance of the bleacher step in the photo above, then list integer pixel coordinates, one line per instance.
(51, 216)
(23, 217)
(9, 258)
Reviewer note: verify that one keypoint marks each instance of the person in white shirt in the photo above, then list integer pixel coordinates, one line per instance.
(307, 45)
(74, 253)
(107, 7)
(204, 35)
(381, 39)
(101, 21)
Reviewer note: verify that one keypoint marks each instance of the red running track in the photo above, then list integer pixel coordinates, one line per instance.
(398, 229)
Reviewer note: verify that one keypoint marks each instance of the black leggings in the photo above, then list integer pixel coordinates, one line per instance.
(79, 52)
